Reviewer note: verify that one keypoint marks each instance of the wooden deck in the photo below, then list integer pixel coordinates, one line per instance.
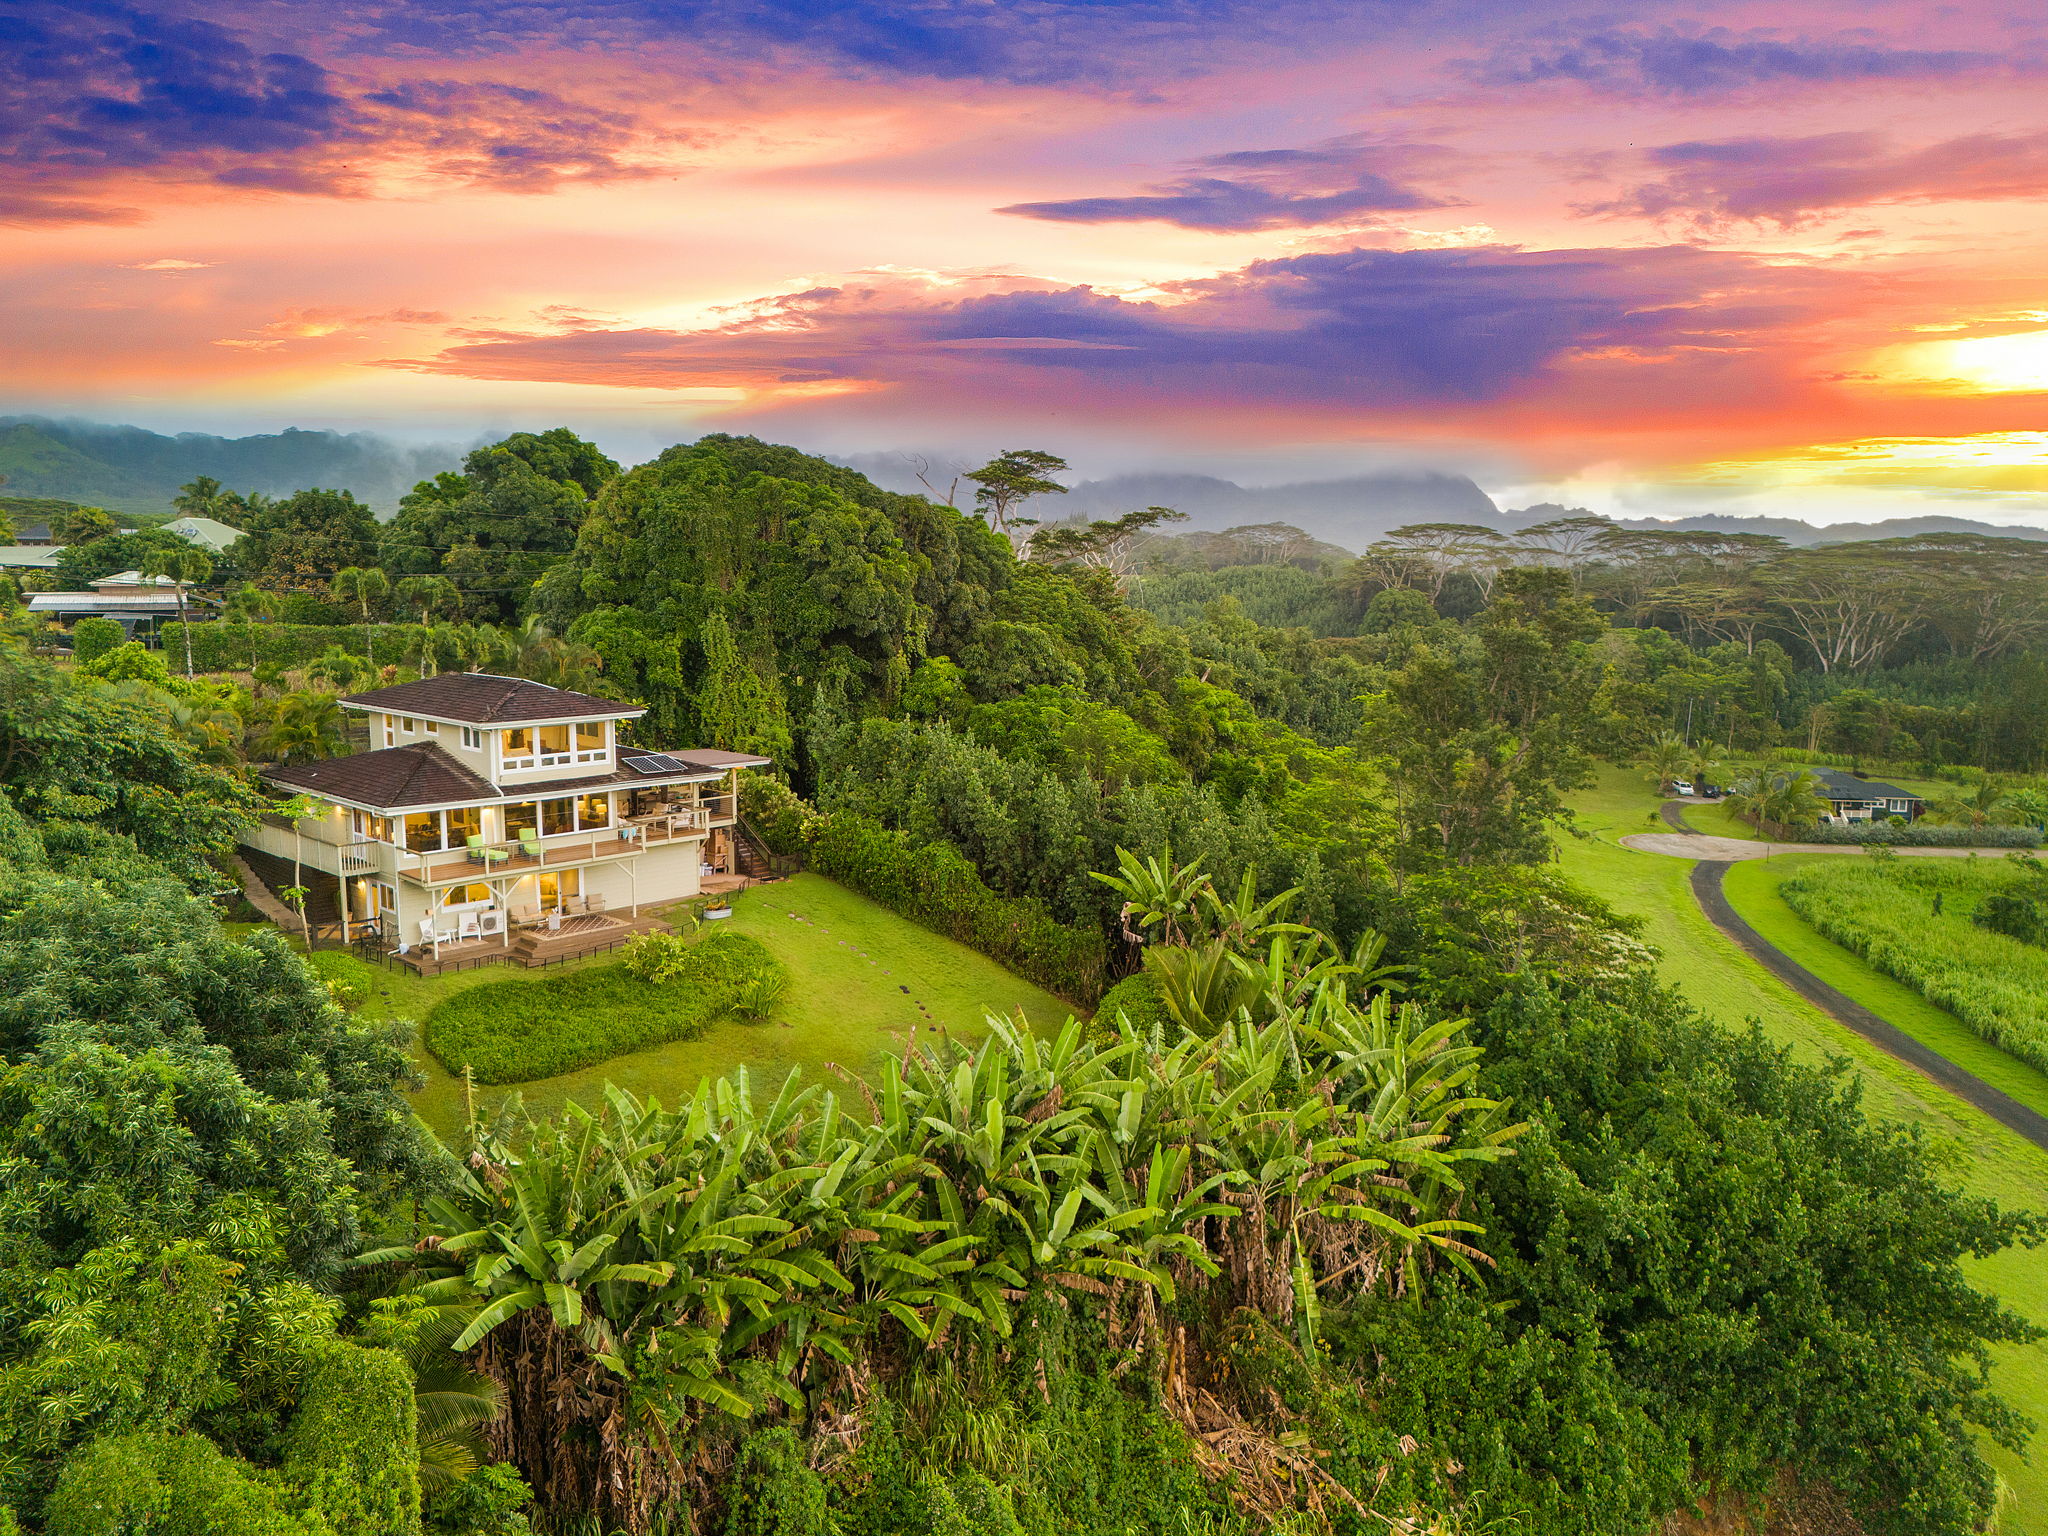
(585, 850)
(588, 934)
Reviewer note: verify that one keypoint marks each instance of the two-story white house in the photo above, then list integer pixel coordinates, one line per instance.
(498, 812)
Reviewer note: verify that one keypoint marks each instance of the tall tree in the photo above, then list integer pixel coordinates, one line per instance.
(499, 525)
(364, 586)
(1009, 480)
(185, 567)
(301, 541)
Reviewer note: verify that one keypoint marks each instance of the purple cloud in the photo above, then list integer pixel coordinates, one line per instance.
(1790, 181)
(1337, 181)
(99, 84)
(1674, 62)
(1357, 328)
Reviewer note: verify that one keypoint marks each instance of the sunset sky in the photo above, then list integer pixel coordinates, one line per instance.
(1658, 258)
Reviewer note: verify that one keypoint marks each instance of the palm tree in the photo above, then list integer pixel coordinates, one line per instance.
(199, 498)
(362, 585)
(300, 726)
(1666, 759)
(244, 606)
(182, 566)
(1791, 798)
(429, 595)
(1984, 808)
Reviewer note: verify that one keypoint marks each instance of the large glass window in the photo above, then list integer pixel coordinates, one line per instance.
(519, 747)
(557, 816)
(593, 811)
(475, 894)
(465, 824)
(423, 832)
(523, 817)
(589, 739)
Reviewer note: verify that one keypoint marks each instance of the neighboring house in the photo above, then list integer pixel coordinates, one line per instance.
(141, 603)
(1854, 799)
(209, 533)
(494, 804)
(36, 536)
(29, 557)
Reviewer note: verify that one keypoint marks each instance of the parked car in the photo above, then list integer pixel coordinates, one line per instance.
(1681, 786)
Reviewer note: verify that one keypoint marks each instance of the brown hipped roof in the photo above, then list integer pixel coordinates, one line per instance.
(481, 698)
(397, 777)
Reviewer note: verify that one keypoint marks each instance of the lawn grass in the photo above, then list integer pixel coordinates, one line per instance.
(848, 961)
(1723, 982)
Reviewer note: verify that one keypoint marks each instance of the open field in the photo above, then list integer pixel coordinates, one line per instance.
(861, 979)
(1885, 912)
(1727, 984)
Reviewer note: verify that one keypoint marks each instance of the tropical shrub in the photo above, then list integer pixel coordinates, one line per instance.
(715, 1262)
(1135, 998)
(934, 885)
(92, 638)
(516, 1031)
(1910, 919)
(1922, 835)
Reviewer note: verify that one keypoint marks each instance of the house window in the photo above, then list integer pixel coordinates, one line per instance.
(387, 896)
(474, 894)
(554, 745)
(465, 824)
(582, 813)
(389, 736)
(431, 727)
(424, 833)
(521, 818)
(407, 723)
(368, 828)
(554, 888)
(519, 747)
(590, 741)
(472, 738)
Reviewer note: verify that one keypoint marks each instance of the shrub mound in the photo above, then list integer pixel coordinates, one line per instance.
(1921, 835)
(1910, 919)
(516, 1031)
(1136, 997)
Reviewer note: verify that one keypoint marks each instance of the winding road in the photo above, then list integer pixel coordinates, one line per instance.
(1707, 890)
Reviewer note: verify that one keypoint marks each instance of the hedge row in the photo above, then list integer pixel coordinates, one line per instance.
(933, 885)
(1920, 835)
(516, 1031)
(221, 646)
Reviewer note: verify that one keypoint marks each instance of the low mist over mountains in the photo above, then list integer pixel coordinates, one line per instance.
(128, 469)
(1353, 512)
(132, 470)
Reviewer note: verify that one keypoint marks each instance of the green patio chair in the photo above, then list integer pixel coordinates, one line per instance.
(529, 844)
(479, 854)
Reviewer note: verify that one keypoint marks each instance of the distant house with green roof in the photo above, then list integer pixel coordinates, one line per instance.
(210, 534)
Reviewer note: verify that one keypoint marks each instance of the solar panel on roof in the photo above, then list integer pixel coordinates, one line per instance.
(655, 762)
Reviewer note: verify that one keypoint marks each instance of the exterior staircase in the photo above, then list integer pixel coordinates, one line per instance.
(752, 859)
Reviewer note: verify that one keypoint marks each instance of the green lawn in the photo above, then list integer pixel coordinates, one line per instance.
(1725, 983)
(858, 975)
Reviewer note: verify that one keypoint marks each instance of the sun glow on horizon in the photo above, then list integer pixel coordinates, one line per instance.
(2014, 364)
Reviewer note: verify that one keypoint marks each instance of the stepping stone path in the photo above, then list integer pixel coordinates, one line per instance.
(921, 1008)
